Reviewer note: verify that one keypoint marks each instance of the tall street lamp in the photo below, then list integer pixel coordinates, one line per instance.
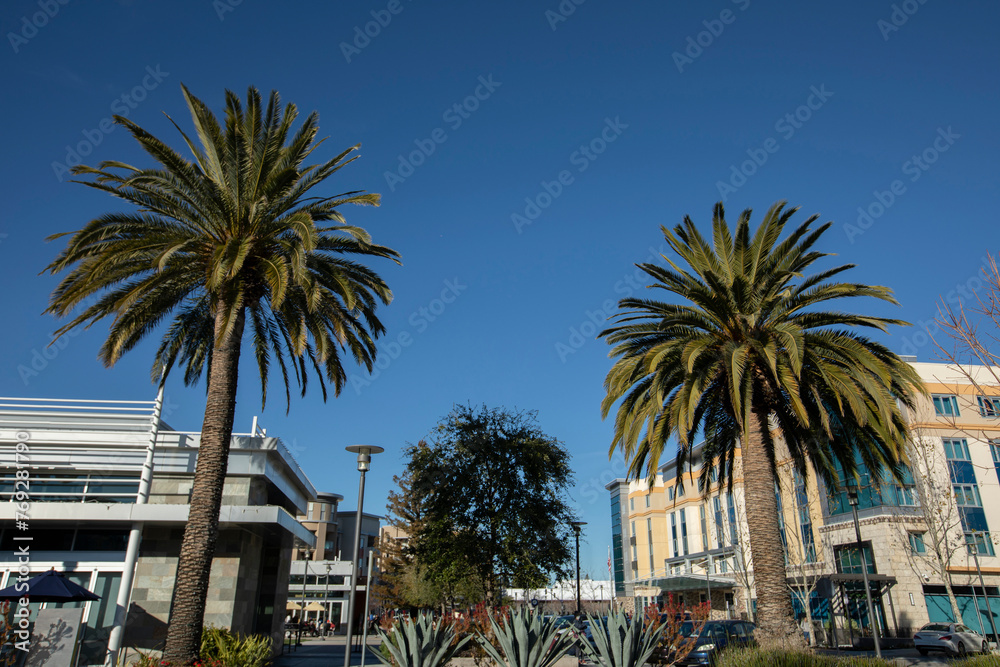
(576, 529)
(852, 498)
(326, 600)
(364, 453)
(974, 548)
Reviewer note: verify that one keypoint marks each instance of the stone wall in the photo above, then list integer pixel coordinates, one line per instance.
(235, 592)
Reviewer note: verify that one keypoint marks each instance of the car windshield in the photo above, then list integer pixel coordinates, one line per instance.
(936, 627)
(704, 631)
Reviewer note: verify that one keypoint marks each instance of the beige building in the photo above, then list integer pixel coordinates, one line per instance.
(671, 539)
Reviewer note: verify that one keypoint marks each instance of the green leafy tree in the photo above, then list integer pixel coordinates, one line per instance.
(492, 486)
(235, 239)
(404, 580)
(748, 353)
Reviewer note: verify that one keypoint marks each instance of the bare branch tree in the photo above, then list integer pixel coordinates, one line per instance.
(935, 523)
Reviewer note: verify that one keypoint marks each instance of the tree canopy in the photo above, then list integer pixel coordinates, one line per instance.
(487, 499)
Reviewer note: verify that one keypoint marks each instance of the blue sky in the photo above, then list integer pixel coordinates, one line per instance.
(581, 127)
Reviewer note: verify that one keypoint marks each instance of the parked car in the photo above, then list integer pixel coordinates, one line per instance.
(715, 636)
(951, 638)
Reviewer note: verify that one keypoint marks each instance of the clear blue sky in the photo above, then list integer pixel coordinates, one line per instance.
(833, 104)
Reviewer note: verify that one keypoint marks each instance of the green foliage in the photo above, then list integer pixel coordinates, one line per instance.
(758, 657)
(223, 648)
(420, 643)
(525, 638)
(622, 642)
(750, 340)
(238, 233)
(976, 661)
(490, 488)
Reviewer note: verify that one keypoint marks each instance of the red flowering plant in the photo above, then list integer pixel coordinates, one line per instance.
(682, 626)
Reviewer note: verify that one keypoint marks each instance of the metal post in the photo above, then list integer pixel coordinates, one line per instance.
(576, 529)
(305, 578)
(364, 453)
(368, 590)
(989, 609)
(853, 500)
(708, 581)
(134, 537)
(326, 601)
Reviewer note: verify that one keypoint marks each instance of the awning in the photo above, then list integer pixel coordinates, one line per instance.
(689, 582)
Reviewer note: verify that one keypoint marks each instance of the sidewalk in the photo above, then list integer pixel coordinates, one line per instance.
(329, 652)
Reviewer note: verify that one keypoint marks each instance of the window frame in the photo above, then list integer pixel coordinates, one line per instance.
(939, 401)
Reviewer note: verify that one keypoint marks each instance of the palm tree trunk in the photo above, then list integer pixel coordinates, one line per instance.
(775, 620)
(187, 608)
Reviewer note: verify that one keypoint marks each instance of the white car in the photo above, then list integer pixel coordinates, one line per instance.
(952, 638)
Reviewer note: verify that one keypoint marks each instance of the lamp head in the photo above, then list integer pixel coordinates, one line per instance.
(364, 453)
(577, 525)
(852, 492)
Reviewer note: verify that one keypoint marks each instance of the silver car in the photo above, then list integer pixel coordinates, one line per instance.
(952, 638)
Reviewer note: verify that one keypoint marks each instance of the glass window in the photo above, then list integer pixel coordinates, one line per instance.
(989, 406)
(946, 405)
(631, 504)
(720, 538)
(917, 543)
(673, 533)
(680, 490)
(647, 499)
(967, 495)
(980, 542)
(849, 560)
(684, 532)
(704, 528)
(956, 449)
(670, 493)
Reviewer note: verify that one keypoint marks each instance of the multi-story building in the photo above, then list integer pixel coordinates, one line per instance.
(85, 464)
(320, 581)
(670, 538)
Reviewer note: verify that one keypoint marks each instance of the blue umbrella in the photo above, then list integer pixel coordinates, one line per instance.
(50, 586)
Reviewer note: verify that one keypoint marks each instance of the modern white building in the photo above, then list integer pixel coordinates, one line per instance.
(85, 460)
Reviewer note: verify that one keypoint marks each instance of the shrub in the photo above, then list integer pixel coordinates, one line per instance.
(420, 643)
(222, 648)
(623, 642)
(759, 657)
(525, 638)
(977, 661)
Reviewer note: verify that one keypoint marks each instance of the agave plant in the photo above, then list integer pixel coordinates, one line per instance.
(526, 639)
(420, 643)
(621, 642)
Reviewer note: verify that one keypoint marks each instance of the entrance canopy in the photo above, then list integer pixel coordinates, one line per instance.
(689, 582)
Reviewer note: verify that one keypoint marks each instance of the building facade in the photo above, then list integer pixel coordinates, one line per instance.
(85, 461)
(320, 581)
(933, 528)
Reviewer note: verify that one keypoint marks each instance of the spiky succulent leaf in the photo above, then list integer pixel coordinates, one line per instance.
(420, 643)
(526, 639)
(621, 642)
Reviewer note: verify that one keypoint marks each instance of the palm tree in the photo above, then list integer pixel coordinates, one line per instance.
(747, 356)
(231, 240)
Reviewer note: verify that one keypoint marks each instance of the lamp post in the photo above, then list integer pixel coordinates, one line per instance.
(852, 498)
(326, 601)
(364, 453)
(577, 525)
(974, 548)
